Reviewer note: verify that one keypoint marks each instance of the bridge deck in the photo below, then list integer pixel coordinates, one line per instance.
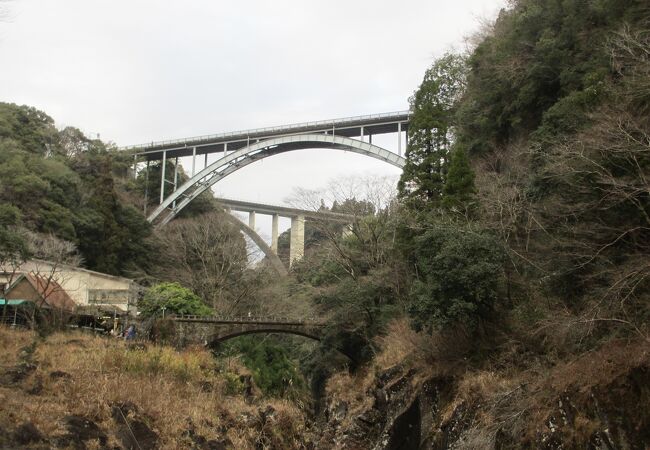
(284, 211)
(214, 143)
(248, 320)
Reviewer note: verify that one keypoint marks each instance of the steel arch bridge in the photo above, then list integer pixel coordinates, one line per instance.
(254, 145)
(218, 170)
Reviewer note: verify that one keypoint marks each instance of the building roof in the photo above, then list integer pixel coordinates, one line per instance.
(81, 269)
(47, 289)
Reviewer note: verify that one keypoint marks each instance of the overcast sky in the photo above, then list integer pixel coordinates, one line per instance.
(141, 70)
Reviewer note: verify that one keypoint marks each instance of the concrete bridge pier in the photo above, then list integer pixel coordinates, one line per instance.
(274, 233)
(251, 219)
(297, 245)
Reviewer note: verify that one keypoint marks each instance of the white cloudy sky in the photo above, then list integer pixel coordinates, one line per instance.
(141, 70)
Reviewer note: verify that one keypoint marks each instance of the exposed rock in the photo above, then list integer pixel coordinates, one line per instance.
(17, 373)
(137, 436)
(84, 429)
(60, 374)
(247, 382)
(339, 411)
(27, 433)
(132, 432)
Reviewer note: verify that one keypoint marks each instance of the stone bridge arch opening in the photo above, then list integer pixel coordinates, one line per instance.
(215, 342)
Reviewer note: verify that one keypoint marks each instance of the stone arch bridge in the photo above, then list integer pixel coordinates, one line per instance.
(216, 329)
(202, 330)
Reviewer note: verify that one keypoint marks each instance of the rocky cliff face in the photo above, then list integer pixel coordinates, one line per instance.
(599, 401)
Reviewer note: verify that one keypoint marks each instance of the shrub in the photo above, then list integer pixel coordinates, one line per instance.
(458, 277)
(174, 298)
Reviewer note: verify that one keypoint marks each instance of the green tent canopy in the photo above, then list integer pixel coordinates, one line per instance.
(13, 302)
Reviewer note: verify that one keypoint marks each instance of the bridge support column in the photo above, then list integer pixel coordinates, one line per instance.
(274, 233)
(146, 188)
(193, 160)
(347, 231)
(175, 179)
(162, 177)
(399, 138)
(297, 245)
(251, 219)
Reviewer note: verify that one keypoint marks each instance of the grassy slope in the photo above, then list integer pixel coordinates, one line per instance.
(173, 392)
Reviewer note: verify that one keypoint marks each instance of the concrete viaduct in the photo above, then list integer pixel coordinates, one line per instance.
(241, 148)
(297, 216)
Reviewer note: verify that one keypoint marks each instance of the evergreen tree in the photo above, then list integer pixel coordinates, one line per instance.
(459, 186)
(430, 132)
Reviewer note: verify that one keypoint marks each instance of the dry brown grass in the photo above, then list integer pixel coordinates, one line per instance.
(168, 387)
(12, 341)
(430, 353)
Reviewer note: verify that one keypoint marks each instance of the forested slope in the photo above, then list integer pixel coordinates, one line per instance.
(63, 183)
(517, 251)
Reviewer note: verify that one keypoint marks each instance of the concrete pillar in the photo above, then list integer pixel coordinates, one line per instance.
(175, 179)
(399, 138)
(193, 160)
(146, 188)
(347, 231)
(162, 177)
(251, 219)
(135, 167)
(297, 246)
(274, 233)
(175, 173)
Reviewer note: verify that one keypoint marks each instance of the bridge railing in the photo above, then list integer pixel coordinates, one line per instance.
(257, 131)
(246, 319)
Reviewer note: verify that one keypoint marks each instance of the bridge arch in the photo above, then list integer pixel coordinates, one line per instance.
(233, 335)
(223, 167)
(222, 338)
(275, 261)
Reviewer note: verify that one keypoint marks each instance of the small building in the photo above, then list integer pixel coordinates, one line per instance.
(42, 291)
(88, 289)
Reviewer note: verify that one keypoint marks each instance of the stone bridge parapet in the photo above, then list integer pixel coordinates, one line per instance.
(207, 330)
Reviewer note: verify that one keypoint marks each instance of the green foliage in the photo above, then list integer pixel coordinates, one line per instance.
(174, 298)
(273, 370)
(430, 132)
(458, 276)
(324, 271)
(64, 183)
(542, 69)
(30, 128)
(9, 215)
(459, 189)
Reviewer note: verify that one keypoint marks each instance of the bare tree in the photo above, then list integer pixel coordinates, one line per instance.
(210, 256)
(13, 253)
(50, 255)
(367, 199)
